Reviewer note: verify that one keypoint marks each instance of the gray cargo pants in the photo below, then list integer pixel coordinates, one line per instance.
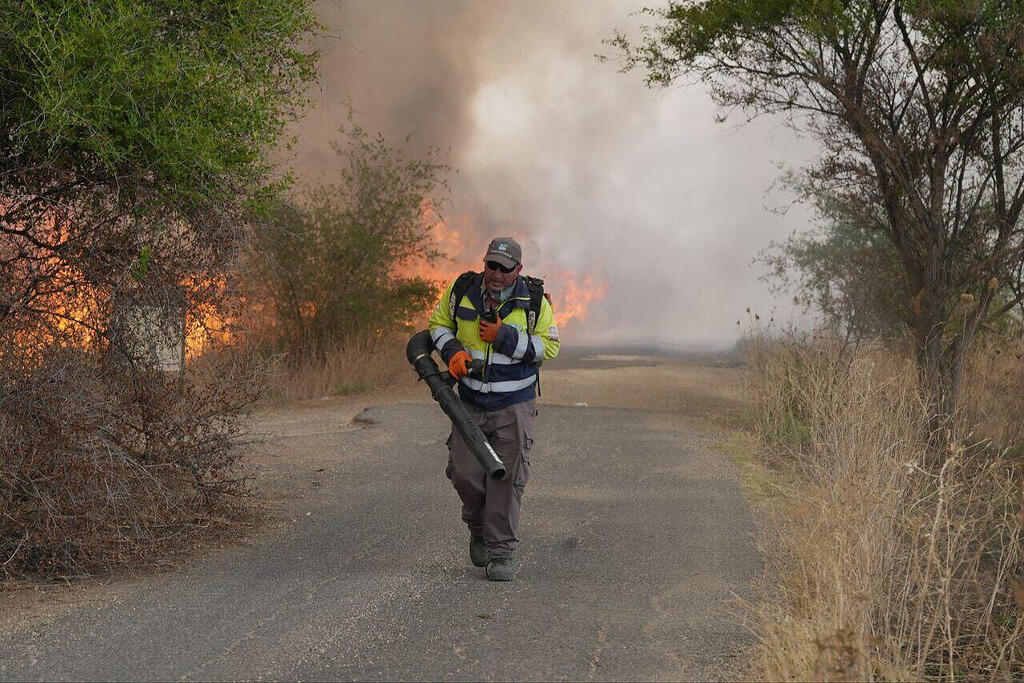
(490, 507)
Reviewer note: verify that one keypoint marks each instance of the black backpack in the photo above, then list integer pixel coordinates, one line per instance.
(534, 284)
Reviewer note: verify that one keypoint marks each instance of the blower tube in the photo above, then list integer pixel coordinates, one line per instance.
(418, 351)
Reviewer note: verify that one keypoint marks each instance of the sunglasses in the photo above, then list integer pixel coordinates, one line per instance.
(494, 265)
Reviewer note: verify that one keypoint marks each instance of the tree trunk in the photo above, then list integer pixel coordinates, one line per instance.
(939, 366)
(939, 384)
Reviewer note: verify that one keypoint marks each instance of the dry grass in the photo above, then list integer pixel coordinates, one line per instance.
(886, 570)
(993, 395)
(353, 366)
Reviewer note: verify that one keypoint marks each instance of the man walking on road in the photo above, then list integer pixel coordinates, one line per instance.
(503, 319)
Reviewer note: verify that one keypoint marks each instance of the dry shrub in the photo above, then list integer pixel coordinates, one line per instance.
(101, 466)
(887, 570)
(351, 366)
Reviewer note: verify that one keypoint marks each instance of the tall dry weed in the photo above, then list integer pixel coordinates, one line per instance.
(993, 393)
(351, 366)
(887, 569)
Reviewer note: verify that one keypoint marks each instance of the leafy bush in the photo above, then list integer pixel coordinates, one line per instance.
(340, 264)
(846, 270)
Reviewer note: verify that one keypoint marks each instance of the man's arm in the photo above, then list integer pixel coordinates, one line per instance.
(543, 344)
(443, 328)
(548, 330)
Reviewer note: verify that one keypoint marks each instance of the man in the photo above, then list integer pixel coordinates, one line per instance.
(501, 401)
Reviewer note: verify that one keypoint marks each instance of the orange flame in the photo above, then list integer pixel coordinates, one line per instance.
(572, 296)
(205, 325)
(75, 313)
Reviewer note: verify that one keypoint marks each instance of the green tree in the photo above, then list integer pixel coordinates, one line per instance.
(846, 271)
(333, 266)
(919, 109)
(135, 139)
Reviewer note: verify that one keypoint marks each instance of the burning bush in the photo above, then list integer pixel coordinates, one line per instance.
(334, 270)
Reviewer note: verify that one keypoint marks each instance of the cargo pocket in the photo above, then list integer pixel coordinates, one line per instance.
(450, 467)
(523, 471)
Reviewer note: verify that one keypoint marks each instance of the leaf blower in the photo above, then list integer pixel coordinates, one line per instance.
(418, 351)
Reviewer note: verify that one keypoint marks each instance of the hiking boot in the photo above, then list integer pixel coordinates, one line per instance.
(477, 551)
(500, 569)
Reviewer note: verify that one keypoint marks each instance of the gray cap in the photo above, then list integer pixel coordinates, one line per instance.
(505, 251)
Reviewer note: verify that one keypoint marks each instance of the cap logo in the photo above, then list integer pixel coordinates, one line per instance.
(502, 247)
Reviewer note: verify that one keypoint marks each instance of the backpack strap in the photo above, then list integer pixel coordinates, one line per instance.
(459, 289)
(535, 285)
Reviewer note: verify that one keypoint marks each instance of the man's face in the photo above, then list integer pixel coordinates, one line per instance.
(495, 279)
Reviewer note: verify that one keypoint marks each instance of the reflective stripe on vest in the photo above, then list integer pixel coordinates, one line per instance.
(441, 336)
(498, 387)
(538, 347)
(496, 358)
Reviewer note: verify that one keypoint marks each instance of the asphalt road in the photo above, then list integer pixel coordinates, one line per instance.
(635, 540)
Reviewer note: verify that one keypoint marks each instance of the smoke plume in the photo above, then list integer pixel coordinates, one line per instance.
(597, 175)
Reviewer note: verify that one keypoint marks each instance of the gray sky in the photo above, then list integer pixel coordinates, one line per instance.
(639, 190)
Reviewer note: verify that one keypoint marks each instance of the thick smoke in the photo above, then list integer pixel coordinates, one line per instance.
(402, 67)
(595, 173)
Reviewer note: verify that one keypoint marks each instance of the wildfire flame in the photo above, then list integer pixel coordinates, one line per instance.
(205, 325)
(572, 296)
(72, 312)
(458, 248)
(76, 313)
(463, 247)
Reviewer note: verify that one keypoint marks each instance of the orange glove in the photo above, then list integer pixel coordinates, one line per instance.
(489, 331)
(458, 366)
